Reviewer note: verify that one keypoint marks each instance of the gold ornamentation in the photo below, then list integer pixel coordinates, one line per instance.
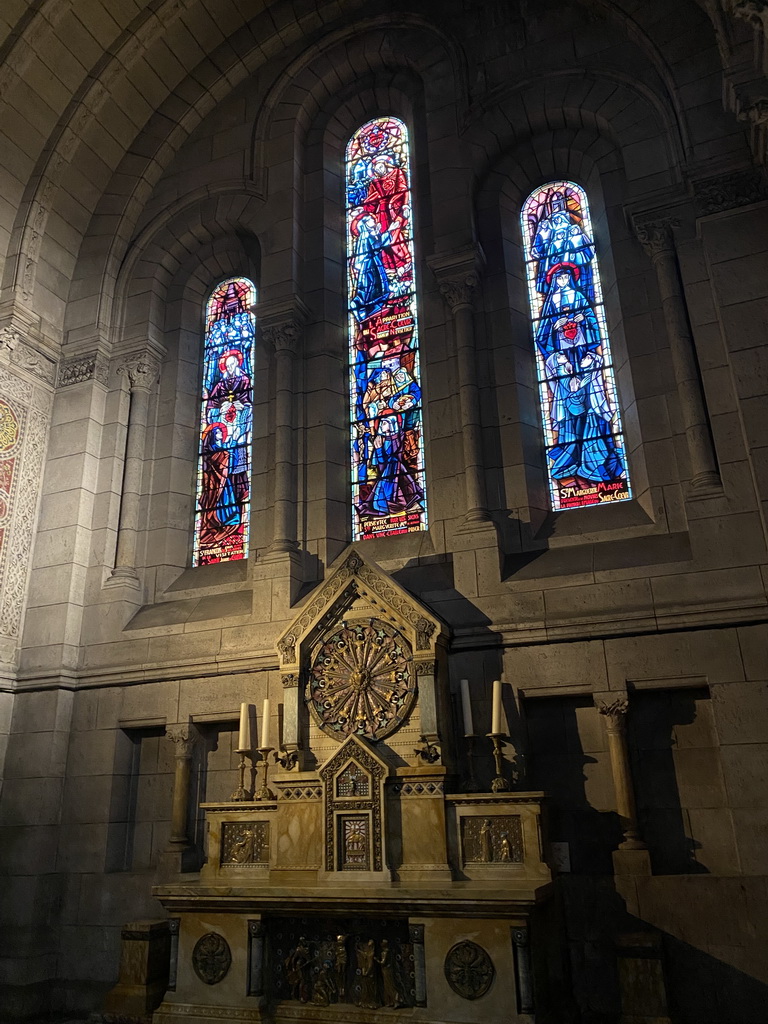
(245, 842)
(355, 842)
(492, 840)
(361, 681)
(9, 428)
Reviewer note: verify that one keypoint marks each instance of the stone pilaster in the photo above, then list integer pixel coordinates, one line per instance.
(657, 238)
(141, 371)
(282, 326)
(458, 276)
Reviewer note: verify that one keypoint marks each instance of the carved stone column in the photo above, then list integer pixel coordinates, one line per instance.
(282, 326)
(615, 715)
(458, 275)
(183, 738)
(656, 237)
(141, 371)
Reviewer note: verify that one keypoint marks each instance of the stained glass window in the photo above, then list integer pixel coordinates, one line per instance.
(586, 456)
(226, 425)
(387, 440)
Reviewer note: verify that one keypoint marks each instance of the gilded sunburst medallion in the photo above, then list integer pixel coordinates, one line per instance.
(361, 681)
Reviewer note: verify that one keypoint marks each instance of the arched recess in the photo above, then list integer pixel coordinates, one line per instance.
(591, 156)
(163, 289)
(302, 140)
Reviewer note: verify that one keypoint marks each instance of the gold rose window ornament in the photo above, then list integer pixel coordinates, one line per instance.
(361, 681)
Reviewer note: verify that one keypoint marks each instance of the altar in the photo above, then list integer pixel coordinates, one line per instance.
(359, 876)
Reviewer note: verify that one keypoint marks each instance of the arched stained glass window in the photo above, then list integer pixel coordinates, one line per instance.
(387, 440)
(586, 458)
(226, 425)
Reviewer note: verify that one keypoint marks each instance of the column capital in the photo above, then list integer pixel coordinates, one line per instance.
(614, 707)
(184, 736)
(458, 274)
(753, 11)
(282, 322)
(10, 337)
(141, 369)
(283, 337)
(655, 234)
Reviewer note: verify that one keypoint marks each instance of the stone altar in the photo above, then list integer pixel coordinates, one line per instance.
(362, 886)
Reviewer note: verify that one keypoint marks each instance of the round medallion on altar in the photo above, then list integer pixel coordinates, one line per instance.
(361, 681)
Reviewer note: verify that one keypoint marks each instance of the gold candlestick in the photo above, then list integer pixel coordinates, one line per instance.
(265, 793)
(241, 793)
(499, 784)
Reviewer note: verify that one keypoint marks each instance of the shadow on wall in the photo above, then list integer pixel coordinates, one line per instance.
(717, 976)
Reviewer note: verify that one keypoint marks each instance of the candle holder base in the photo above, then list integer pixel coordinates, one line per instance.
(264, 792)
(241, 794)
(499, 783)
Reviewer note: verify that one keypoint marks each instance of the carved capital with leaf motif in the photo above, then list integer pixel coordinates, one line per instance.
(141, 371)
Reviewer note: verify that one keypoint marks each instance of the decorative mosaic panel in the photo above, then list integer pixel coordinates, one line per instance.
(353, 782)
(245, 842)
(493, 840)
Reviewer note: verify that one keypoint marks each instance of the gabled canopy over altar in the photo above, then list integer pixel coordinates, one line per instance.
(362, 880)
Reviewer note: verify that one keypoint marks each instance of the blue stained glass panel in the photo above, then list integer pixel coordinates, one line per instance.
(386, 435)
(584, 442)
(222, 513)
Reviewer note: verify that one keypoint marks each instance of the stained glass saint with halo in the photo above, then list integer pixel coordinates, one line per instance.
(222, 512)
(386, 434)
(585, 449)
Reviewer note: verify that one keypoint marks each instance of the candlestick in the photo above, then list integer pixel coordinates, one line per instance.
(499, 784)
(466, 708)
(496, 715)
(265, 793)
(241, 793)
(265, 744)
(244, 739)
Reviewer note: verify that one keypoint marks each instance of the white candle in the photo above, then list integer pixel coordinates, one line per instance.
(496, 716)
(265, 725)
(243, 740)
(466, 708)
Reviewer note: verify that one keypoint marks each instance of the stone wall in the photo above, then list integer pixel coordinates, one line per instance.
(201, 143)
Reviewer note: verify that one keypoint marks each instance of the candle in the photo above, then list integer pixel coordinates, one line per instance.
(265, 725)
(466, 708)
(496, 716)
(243, 740)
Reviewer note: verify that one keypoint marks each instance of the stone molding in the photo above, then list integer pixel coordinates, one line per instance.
(753, 11)
(729, 191)
(81, 369)
(10, 337)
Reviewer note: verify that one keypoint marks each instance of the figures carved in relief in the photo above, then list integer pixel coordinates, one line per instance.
(368, 970)
(492, 840)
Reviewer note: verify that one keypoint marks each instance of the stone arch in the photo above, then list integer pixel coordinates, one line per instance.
(593, 157)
